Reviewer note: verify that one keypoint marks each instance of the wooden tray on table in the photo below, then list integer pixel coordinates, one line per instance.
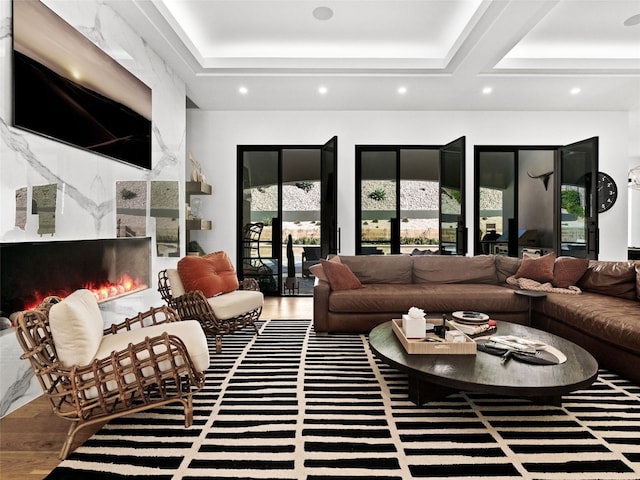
(424, 347)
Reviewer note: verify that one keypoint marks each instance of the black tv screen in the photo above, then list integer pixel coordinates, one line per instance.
(68, 89)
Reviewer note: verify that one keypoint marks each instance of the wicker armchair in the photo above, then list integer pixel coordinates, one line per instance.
(218, 315)
(134, 369)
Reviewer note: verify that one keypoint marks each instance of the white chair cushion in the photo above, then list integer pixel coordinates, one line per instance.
(177, 289)
(232, 304)
(76, 327)
(189, 331)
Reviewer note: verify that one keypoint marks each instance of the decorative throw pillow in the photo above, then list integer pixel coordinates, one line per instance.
(197, 273)
(318, 271)
(539, 269)
(340, 276)
(568, 270)
(77, 328)
(224, 268)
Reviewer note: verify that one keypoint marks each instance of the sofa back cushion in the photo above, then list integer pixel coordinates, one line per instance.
(506, 267)
(638, 280)
(454, 269)
(380, 268)
(617, 279)
(76, 328)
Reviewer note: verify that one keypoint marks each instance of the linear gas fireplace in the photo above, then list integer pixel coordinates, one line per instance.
(110, 268)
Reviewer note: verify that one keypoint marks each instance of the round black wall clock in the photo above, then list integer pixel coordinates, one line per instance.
(607, 192)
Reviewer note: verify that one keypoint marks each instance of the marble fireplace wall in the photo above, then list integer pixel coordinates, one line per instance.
(85, 184)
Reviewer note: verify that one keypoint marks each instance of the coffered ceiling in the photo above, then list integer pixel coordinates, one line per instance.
(399, 54)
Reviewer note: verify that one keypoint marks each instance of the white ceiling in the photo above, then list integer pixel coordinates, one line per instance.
(531, 53)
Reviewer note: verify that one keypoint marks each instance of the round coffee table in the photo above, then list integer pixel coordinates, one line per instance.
(433, 377)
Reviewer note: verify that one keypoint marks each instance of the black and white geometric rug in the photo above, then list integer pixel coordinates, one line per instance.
(288, 404)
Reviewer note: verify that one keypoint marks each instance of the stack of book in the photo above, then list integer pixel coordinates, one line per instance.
(473, 324)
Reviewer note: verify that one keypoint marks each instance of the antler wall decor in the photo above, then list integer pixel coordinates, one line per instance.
(544, 177)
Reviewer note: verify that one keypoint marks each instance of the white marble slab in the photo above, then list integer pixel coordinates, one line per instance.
(86, 182)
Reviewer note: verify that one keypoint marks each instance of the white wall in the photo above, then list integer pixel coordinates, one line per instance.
(213, 137)
(634, 195)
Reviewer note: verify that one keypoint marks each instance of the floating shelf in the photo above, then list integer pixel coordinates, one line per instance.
(198, 188)
(198, 224)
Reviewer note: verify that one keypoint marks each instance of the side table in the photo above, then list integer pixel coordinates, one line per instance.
(531, 294)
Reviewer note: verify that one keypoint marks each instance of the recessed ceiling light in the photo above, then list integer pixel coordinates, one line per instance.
(575, 91)
(243, 90)
(402, 90)
(322, 13)
(633, 20)
(487, 90)
(323, 90)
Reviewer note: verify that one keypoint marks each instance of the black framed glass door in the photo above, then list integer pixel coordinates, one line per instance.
(577, 217)
(329, 241)
(259, 212)
(496, 200)
(286, 195)
(376, 199)
(397, 199)
(452, 229)
(536, 200)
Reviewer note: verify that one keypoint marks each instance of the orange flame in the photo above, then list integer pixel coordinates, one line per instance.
(102, 292)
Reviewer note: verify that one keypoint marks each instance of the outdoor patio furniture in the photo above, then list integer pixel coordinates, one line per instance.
(310, 257)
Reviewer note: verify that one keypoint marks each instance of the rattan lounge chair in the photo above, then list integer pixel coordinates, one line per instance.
(218, 315)
(144, 362)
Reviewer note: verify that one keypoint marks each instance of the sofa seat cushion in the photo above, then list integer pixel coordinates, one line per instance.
(438, 298)
(189, 331)
(236, 303)
(613, 320)
(453, 269)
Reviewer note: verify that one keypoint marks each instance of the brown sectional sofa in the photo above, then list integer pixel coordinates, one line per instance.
(604, 318)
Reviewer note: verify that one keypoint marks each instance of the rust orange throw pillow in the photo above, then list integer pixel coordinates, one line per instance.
(539, 269)
(224, 268)
(318, 271)
(568, 270)
(197, 273)
(340, 276)
(212, 274)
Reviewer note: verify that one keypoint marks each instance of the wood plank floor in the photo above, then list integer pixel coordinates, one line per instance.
(31, 437)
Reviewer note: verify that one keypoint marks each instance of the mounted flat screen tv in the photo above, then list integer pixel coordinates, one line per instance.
(68, 89)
